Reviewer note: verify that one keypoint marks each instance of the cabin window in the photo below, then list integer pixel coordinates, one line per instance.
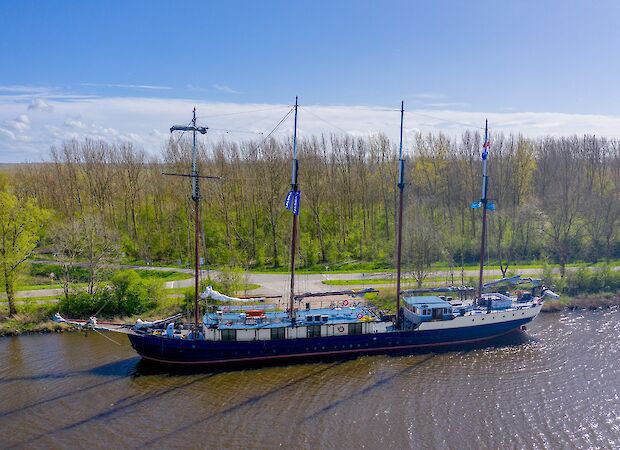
(229, 335)
(278, 333)
(308, 318)
(355, 328)
(314, 331)
(317, 318)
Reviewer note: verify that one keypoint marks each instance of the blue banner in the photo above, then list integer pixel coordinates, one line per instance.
(292, 201)
(289, 200)
(491, 206)
(475, 205)
(296, 203)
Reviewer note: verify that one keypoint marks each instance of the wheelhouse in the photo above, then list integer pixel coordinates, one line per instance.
(425, 309)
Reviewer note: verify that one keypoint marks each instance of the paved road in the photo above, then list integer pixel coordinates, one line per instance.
(278, 283)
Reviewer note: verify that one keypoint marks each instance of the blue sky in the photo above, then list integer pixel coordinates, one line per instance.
(441, 57)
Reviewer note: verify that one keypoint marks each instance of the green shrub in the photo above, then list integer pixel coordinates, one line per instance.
(82, 304)
(228, 281)
(133, 294)
(127, 295)
(77, 274)
(590, 281)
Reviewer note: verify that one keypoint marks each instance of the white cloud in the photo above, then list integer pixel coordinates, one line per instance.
(428, 96)
(20, 89)
(224, 88)
(146, 122)
(129, 86)
(447, 105)
(19, 124)
(38, 104)
(7, 133)
(72, 123)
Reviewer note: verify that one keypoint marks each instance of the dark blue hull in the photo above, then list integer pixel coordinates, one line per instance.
(201, 352)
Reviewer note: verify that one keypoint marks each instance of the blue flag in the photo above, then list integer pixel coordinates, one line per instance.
(491, 206)
(475, 205)
(289, 200)
(296, 203)
(292, 201)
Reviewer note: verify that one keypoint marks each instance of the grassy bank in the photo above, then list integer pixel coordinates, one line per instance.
(588, 301)
(30, 319)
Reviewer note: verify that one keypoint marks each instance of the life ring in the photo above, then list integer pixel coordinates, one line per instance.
(360, 315)
(345, 303)
(340, 329)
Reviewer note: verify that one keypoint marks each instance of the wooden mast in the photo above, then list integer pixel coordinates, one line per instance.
(196, 199)
(399, 237)
(292, 203)
(484, 205)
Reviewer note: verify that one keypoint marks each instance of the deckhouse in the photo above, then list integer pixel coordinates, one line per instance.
(427, 308)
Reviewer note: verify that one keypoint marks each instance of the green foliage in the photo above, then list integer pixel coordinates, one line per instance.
(162, 275)
(77, 274)
(385, 300)
(349, 200)
(133, 294)
(127, 295)
(229, 280)
(589, 281)
(21, 226)
(82, 304)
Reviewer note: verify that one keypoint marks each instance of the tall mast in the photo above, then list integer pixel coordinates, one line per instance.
(484, 203)
(196, 198)
(399, 236)
(292, 202)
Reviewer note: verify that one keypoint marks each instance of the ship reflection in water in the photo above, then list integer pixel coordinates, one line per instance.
(555, 386)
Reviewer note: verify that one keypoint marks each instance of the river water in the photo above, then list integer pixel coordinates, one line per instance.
(556, 386)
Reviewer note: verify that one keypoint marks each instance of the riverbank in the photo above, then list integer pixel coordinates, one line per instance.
(588, 301)
(25, 323)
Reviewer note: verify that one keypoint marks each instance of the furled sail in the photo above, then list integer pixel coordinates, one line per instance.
(215, 295)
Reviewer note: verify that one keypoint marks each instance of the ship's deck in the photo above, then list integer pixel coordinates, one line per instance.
(276, 319)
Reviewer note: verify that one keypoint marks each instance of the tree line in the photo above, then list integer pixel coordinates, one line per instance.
(556, 197)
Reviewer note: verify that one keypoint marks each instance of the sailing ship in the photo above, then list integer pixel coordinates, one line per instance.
(255, 333)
